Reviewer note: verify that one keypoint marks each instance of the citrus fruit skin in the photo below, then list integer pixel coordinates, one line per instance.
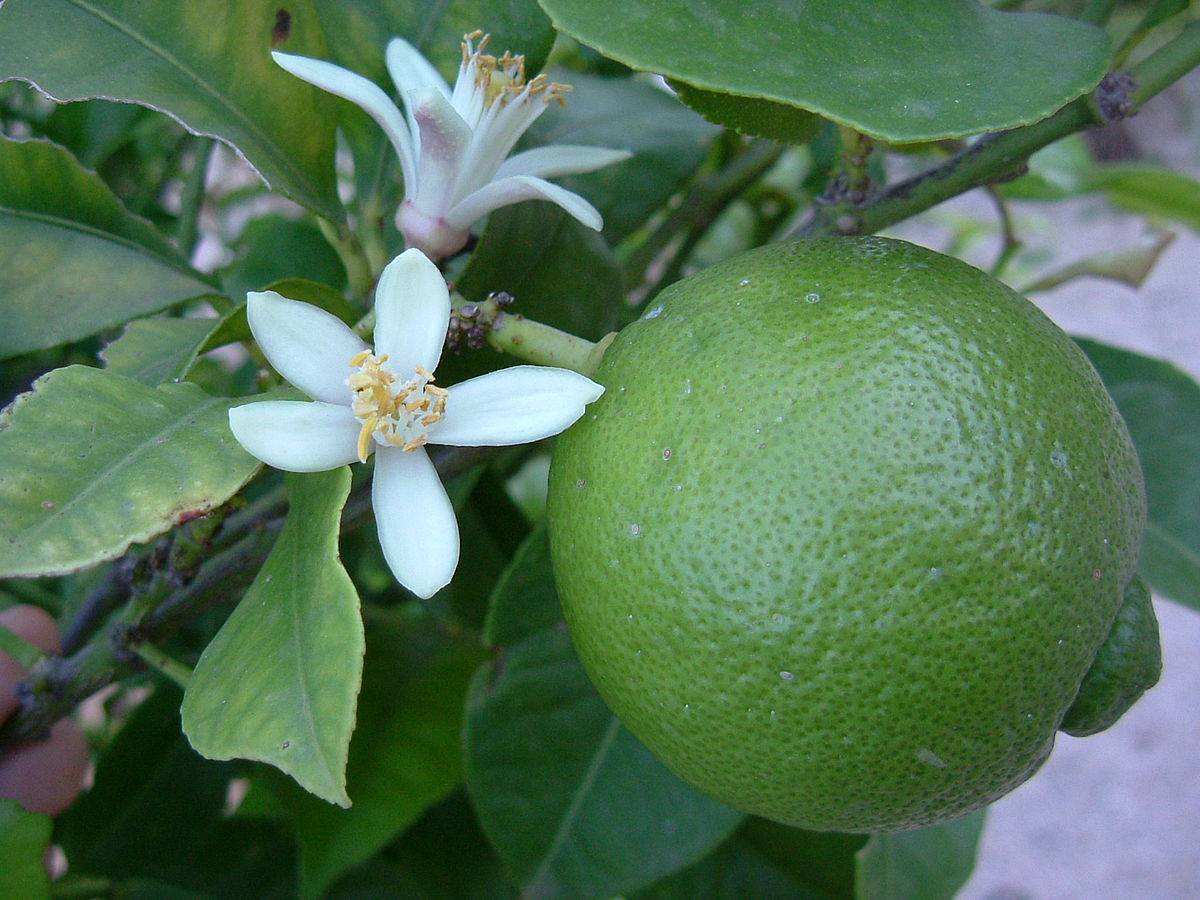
(845, 532)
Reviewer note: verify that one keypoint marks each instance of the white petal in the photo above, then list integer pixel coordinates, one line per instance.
(513, 406)
(411, 70)
(444, 139)
(515, 189)
(559, 159)
(295, 435)
(417, 528)
(496, 133)
(364, 93)
(412, 311)
(309, 347)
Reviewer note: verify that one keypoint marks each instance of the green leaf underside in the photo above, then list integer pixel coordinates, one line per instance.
(155, 351)
(575, 804)
(280, 680)
(92, 461)
(926, 864)
(24, 838)
(406, 753)
(1161, 406)
(752, 115)
(911, 70)
(74, 259)
(206, 63)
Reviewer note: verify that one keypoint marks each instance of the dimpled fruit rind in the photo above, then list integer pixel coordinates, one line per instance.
(842, 538)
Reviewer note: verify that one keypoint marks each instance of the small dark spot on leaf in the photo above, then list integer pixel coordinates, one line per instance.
(282, 27)
(286, 744)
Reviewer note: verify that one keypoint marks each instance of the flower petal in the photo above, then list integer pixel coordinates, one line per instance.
(513, 406)
(309, 347)
(362, 92)
(559, 159)
(515, 189)
(417, 528)
(444, 139)
(497, 131)
(295, 435)
(412, 311)
(410, 71)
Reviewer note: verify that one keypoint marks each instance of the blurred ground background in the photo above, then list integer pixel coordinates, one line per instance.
(1115, 816)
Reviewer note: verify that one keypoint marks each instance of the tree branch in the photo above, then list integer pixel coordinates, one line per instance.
(997, 157)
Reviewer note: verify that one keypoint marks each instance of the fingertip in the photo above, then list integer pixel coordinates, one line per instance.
(47, 776)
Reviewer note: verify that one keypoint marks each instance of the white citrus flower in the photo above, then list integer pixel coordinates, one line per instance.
(454, 145)
(384, 400)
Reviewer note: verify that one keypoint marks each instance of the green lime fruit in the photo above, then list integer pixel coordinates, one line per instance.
(846, 533)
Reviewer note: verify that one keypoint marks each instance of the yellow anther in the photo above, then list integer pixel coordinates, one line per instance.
(364, 437)
(359, 358)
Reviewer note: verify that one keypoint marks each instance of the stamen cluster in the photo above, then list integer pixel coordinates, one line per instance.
(399, 417)
(503, 78)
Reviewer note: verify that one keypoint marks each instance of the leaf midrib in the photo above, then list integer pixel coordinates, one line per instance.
(572, 813)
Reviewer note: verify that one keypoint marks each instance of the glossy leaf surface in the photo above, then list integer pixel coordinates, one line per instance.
(576, 806)
(908, 70)
(206, 63)
(279, 681)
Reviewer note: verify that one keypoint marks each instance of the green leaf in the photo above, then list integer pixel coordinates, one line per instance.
(905, 71)
(448, 855)
(405, 755)
(94, 129)
(360, 31)
(1149, 190)
(278, 683)
(234, 327)
(1129, 265)
(667, 141)
(752, 116)
(575, 805)
(1161, 11)
(24, 837)
(74, 259)
(92, 461)
(768, 861)
(155, 351)
(205, 62)
(926, 864)
(1161, 406)
(822, 861)
(153, 802)
(559, 271)
(275, 247)
(734, 871)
